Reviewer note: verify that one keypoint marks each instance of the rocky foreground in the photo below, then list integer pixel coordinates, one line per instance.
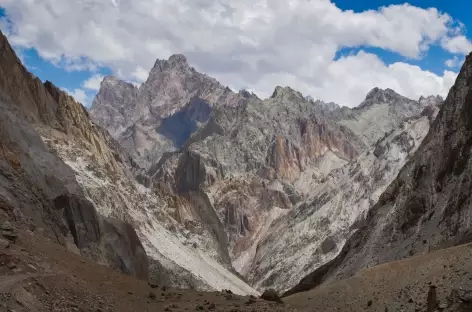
(39, 275)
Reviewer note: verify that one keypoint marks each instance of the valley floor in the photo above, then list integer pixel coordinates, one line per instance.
(37, 275)
(400, 286)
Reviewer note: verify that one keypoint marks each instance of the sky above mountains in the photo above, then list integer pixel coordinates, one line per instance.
(332, 50)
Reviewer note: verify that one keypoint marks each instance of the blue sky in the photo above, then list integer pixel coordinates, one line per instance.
(318, 47)
(436, 57)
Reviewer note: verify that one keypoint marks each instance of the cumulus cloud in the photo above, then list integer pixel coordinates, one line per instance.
(247, 43)
(458, 44)
(93, 83)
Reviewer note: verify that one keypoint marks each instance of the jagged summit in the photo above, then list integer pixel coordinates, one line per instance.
(378, 95)
(430, 100)
(175, 61)
(281, 93)
(247, 94)
(113, 81)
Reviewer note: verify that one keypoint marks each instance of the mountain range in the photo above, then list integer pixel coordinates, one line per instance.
(270, 172)
(183, 183)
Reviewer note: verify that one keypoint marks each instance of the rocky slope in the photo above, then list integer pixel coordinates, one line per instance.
(315, 230)
(87, 174)
(427, 206)
(269, 168)
(38, 191)
(276, 168)
(435, 281)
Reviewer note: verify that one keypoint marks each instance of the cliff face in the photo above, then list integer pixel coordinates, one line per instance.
(276, 168)
(163, 112)
(38, 190)
(427, 206)
(315, 230)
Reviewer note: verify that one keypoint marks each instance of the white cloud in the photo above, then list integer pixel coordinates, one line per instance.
(93, 83)
(255, 43)
(458, 44)
(453, 62)
(140, 74)
(348, 80)
(79, 95)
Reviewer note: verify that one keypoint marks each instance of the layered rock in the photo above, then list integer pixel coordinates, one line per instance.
(268, 169)
(93, 201)
(427, 206)
(315, 230)
(38, 191)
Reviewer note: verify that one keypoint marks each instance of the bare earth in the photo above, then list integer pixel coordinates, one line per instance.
(37, 275)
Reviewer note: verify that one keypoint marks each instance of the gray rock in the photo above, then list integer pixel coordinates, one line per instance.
(428, 198)
(328, 245)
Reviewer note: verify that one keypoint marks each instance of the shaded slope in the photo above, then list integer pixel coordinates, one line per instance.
(38, 190)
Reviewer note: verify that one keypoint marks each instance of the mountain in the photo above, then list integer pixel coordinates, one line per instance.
(427, 206)
(39, 193)
(163, 112)
(315, 230)
(245, 158)
(249, 191)
(381, 112)
(270, 166)
(65, 175)
(256, 173)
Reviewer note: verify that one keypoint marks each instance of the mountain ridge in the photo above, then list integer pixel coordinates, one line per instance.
(425, 207)
(254, 163)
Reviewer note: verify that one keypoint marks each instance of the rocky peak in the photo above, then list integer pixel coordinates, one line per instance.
(175, 62)
(377, 95)
(327, 107)
(170, 104)
(286, 93)
(113, 104)
(112, 81)
(430, 100)
(246, 94)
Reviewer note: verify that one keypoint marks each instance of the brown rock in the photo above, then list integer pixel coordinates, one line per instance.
(271, 295)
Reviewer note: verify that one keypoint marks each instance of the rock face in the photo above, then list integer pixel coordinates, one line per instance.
(113, 104)
(38, 191)
(163, 112)
(315, 230)
(55, 158)
(427, 206)
(279, 167)
(246, 176)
